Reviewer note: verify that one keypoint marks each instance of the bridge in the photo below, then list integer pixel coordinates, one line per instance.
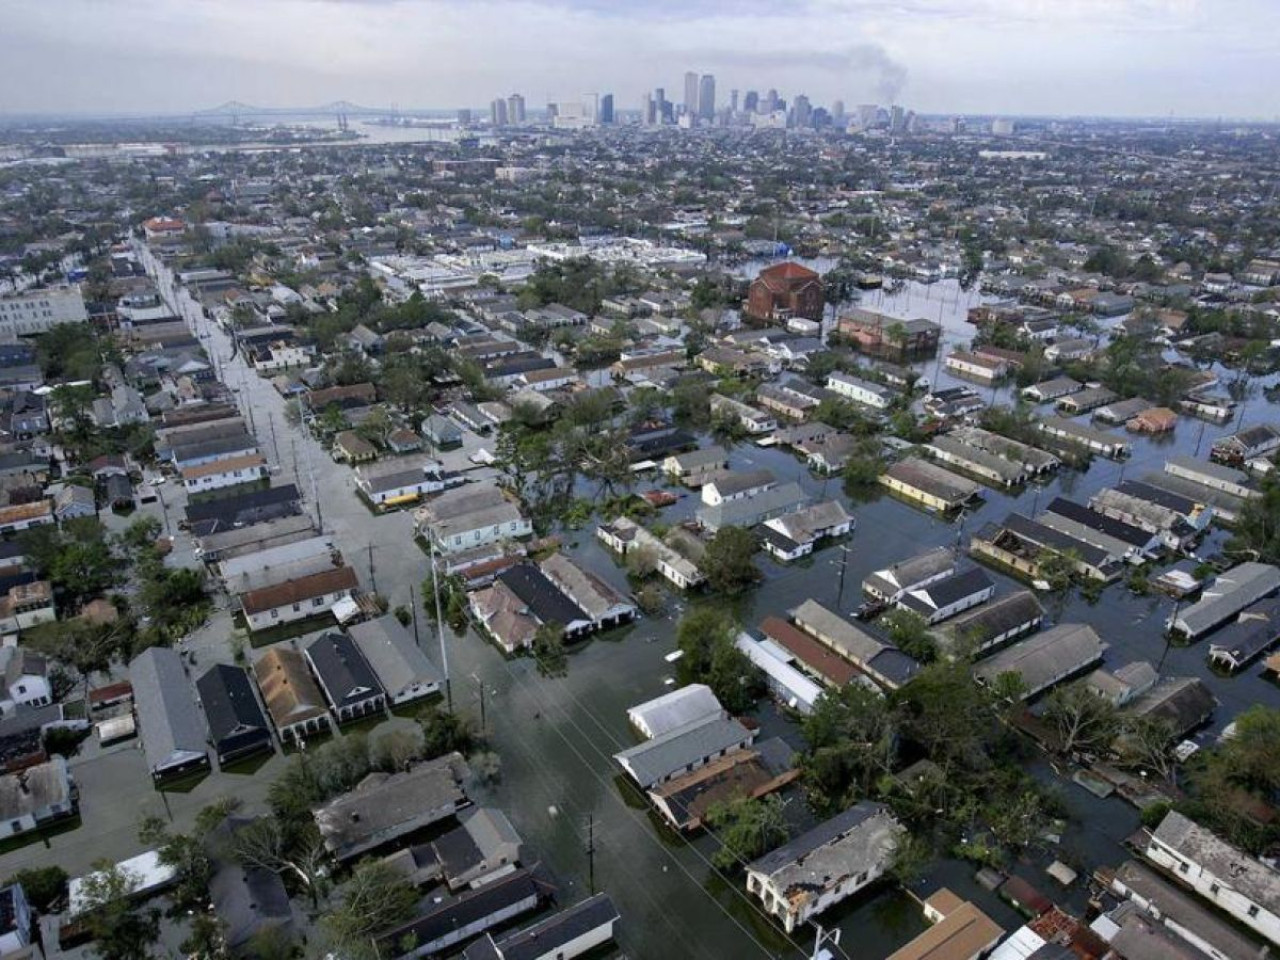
(235, 111)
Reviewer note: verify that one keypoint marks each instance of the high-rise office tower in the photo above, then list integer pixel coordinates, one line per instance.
(707, 97)
(649, 111)
(606, 108)
(691, 93)
(897, 119)
(515, 109)
(498, 112)
(751, 102)
(733, 101)
(837, 111)
(801, 112)
(770, 101)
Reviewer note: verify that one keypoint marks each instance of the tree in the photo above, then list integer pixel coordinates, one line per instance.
(1143, 744)
(396, 748)
(747, 828)
(121, 930)
(375, 898)
(1258, 532)
(44, 886)
(910, 633)
(206, 937)
(445, 732)
(1082, 719)
(948, 715)
(706, 636)
(853, 735)
(265, 843)
(727, 563)
(548, 650)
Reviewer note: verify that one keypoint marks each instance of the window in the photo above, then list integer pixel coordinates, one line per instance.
(1184, 867)
(297, 608)
(1213, 889)
(275, 614)
(1253, 910)
(318, 602)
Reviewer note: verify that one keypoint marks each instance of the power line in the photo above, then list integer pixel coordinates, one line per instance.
(750, 903)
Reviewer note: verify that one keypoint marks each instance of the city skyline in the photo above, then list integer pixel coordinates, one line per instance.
(1184, 58)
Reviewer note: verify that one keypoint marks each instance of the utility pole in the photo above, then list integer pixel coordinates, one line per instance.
(413, 609)
(275, 446)
(591, 852)
(844, 562)
(484, 723)
(444, 651)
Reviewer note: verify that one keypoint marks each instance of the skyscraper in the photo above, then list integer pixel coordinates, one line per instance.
(801, 112)
(707, 97)
(649, 111)
(733, 101)
(897, 120)
(751, 102)
(515, 109)
(770, 101)
(837, 111)
(606, 108)
(498, 112)
(691, 93)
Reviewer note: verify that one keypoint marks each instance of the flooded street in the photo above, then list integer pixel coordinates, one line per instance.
(556, 737)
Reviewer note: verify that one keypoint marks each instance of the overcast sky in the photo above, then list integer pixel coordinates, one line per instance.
(1104, 57)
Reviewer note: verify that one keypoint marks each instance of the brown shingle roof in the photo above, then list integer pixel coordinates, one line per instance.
(808, 651)
(287, 689)
(295, 591)
(224, 466)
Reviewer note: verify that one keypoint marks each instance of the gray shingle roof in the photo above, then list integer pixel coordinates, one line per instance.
(170, 722)
(651, 762)
(1228, 595)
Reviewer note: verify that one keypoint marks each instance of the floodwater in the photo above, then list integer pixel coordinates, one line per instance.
(556, 736)
(672, 903)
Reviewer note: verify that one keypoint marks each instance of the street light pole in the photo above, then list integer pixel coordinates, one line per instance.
(444, 650)
(484, 723)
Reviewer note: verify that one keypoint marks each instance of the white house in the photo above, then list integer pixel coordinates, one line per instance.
(39, 310)
(471, 516)
(794, 535)
(860, 391)
(397, 661)
(1235, 882)
(986, 369)
(36, 796)
(830, 863)
(740, 485)
(690, 704)
(224, 473)
(297, 599)
(949, 596)
(15, 914)
(752, 420)
(24, 680)
(624, 535)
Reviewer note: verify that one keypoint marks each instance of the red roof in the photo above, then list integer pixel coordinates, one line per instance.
(788, 271)
(809, 651)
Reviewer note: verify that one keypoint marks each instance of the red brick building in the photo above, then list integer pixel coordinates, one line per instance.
(783, 291)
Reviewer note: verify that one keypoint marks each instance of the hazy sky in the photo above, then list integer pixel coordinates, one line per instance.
(1122, 57)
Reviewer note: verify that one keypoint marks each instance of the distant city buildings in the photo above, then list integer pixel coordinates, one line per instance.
(691, 92)
(515, 109)
(707, 97)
